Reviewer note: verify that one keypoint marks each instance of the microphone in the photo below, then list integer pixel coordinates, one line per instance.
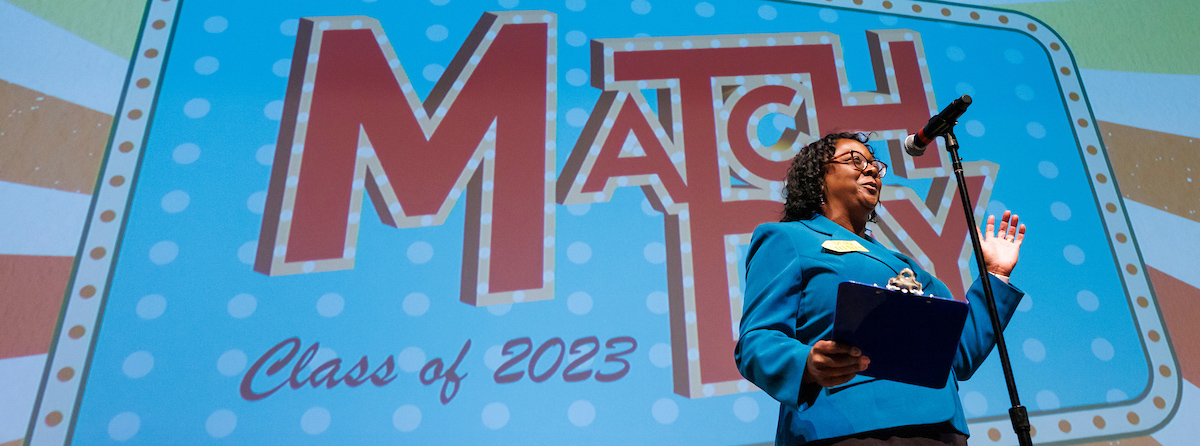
(938, 125)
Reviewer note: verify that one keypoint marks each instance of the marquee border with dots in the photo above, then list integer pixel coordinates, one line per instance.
(55, 410)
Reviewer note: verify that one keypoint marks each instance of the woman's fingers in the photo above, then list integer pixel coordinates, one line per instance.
(831, 363)
(828, 347)
(840, 375)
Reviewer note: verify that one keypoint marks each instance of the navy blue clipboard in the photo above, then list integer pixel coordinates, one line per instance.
(909, 338)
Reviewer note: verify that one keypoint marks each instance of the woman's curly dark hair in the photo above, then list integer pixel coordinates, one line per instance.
(805, 188)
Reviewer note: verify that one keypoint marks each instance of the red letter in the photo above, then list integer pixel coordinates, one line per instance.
(247, 390)
(352, 122)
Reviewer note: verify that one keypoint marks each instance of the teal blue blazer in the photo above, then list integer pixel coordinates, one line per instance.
(791, 291)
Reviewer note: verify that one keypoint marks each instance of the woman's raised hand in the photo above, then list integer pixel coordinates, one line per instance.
(1002, 245)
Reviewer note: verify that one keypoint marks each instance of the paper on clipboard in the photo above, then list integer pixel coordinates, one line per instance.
(909, 338)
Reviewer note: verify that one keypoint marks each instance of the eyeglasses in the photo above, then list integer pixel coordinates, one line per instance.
(859, 162)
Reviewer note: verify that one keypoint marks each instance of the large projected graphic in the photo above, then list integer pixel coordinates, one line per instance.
(525, 222)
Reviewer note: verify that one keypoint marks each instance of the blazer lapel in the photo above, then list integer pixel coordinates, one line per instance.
(833, 231)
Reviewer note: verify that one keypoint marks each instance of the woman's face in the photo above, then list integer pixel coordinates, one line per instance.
(848, 188)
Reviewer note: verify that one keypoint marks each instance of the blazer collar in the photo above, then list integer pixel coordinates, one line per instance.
(821, 224)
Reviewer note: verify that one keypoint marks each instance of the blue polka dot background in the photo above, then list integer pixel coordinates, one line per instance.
(186, 317)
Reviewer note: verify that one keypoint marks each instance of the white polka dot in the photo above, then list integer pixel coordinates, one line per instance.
(576, 38)
(273, 110)
(767, 12)
(196, 108)
(1047, 400)
(640, 7)
(665, 411)
(963, 88)
(579, 302)
(1048, 169)
(411, 359)
(186, 153)
(579, 209)
(124, 426)
(493, 358)
(407, 418)
(745, 408)
(577, 77)
(510, 4)
(581, 413)
(437, 33)
(1024, 92)
(206, 65)
(289, 27)
(265, 154)
(576, 5)
(420, 252)
(1103, 349)
(151, 306)
(655, 253)
(164, 252)
(705, 9)
(1036, 130)
(975, 403)
(657, 302)
(579, 253)
(416, 304)
(1073, 254)
(330, 305)
(216, 24)
(432, 72)
(828, 15)
(137, 364)
(660, 355)
(232, 362)
(495, 415)
(1013, 56)
(242, 306)
(315, 420)
(256, 202)
(1087, 300)
(1026, 303)
(1034, 350)
(282, 67)
(577, 117)
(499, 310)
(1060, 211)
(1115, 396)
(221, 423)
(955, 53)
(175, 201)
(247, 252)
(888, 20)
(975, 128)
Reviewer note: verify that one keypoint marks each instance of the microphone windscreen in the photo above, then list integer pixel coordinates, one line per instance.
(912, 147)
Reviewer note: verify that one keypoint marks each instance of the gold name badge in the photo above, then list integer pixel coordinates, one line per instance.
(843, 246)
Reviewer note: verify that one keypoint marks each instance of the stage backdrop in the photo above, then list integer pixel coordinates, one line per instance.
(526, 222)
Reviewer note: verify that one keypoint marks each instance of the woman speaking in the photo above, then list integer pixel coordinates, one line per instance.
(792, 277)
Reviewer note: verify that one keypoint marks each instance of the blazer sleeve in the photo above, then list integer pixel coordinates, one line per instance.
(767, 352)
(978, 337)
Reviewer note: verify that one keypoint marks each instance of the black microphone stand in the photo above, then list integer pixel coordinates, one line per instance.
(1020, 418)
